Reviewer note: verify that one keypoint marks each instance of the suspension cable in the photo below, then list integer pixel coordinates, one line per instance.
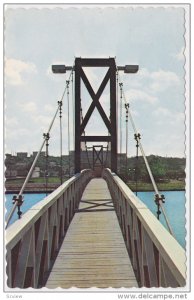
(60, 103)
(126, 130)
(73, 106)
(117, 103)
(136, 136)
(159, 199)
(68, 127)
(47, 137)
(121, 110)
(18, 199)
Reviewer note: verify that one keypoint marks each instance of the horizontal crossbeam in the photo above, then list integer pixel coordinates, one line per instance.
(95, 62)
(98, 138)
(94, 210)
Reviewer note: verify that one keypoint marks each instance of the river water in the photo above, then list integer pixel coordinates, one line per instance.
(174, 206)
(175, 209)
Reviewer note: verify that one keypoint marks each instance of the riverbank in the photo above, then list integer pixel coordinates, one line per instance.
(31, 188)
(38, 186)
(172, 185)
(35, 185)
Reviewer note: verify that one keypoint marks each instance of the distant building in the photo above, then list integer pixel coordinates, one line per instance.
(10, 173)
(34, 153)
(36, 172)
(22, 155)
(42, 154)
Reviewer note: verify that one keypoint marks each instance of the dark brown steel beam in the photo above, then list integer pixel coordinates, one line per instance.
(113, 116)
(95, 62)
(77, 116)
(99, 138)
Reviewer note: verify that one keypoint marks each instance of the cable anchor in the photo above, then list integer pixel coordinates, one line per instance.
(46, 137)
(121, 89)
(127, 111)
(60, 103)
(159, 198)
(19, 200)
(137, 137)
(67, 85)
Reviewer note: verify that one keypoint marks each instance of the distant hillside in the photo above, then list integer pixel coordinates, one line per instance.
(163, 168)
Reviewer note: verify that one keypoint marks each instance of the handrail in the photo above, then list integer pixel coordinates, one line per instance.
(33, 241)
(157, 258)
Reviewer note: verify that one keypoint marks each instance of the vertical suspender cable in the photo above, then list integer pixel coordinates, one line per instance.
(61, 141)
(127, 113)
(46, 136)
(73, 109)
(121, 108)
(137, 137)
(68, 128)
(117, 103)
(73, 106)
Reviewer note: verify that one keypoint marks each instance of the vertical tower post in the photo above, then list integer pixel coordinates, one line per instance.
(77, 158)
(113, 115)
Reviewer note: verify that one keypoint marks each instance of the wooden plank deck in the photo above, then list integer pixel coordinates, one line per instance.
(93, 253)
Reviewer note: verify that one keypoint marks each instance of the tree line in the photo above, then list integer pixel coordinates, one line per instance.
(163, 168)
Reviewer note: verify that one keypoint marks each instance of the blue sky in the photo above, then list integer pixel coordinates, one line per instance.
(153, 38)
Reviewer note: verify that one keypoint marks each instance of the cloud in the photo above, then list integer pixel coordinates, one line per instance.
(29, 107)
(162, 111)
(139, 95)
(16, 71)
(174, 119)
(49, 108)
(160, 80)
(42, 121)
(11, 135)
(163, 80)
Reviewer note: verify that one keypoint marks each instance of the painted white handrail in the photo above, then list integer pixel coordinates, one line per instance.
(33, 241)
(157, 258)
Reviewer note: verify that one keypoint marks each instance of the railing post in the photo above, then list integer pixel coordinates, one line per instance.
(23, 259)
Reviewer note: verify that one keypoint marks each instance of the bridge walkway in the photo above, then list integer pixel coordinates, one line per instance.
(93, 253)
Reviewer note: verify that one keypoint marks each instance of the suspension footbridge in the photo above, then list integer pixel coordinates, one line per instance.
(93, 231)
